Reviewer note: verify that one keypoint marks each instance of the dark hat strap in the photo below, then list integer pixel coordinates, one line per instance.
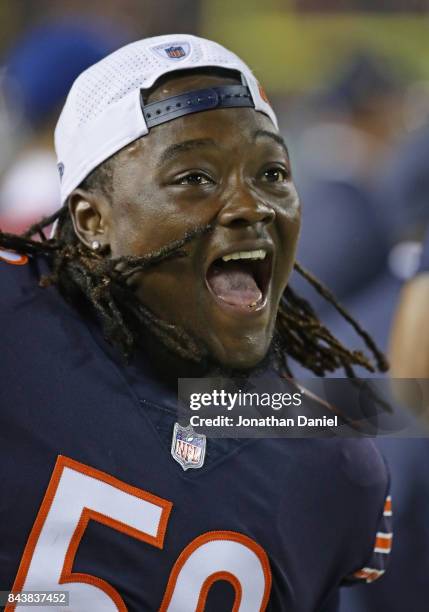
(229, 96)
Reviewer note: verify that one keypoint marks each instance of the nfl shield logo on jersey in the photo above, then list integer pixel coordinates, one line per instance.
(176, 51)
(187, 447)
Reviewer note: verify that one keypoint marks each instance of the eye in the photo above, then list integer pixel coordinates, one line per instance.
(195, 178)
(275, 175)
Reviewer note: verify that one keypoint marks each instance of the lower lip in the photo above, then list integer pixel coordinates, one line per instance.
(240, 311)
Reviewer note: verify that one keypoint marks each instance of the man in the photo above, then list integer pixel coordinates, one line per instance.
(177, 239)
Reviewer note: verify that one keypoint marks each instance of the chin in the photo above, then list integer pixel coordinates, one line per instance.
(244, 359)
(239, 350)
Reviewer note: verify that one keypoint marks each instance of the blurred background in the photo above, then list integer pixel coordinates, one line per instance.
(349, 80)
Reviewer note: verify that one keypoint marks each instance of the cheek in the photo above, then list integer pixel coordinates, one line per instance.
(172, 294)
(142, 226)
(289, 225)
(138, 230)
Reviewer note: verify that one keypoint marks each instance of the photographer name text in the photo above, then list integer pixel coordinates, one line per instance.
(269, 421)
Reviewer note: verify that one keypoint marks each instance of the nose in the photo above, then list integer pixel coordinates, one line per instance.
(245, 208)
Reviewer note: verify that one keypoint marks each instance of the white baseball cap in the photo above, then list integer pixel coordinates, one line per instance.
(104, 110)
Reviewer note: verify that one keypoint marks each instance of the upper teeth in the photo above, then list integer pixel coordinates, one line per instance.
(259, 254)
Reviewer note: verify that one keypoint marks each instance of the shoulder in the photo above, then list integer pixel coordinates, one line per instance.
(341, 486)
(357, 476)
(359, 467)
(353, 468)
(13, 258)
(361, 463)
(19, 275)
(365, 507)
(23, 286)
(47, 349)
(31, 315)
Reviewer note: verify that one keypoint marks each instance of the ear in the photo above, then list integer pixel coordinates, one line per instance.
(91, 215)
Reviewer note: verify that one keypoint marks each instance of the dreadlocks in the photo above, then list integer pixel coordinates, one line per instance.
(101, 281)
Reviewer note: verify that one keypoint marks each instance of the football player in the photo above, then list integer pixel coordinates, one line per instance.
(173, 248)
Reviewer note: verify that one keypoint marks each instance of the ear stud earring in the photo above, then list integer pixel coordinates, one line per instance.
(95, 245)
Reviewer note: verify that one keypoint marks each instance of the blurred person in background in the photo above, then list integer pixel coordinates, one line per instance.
(405, 587)
(356, 122)
(39, 70)
(401, 199)
(356, 128)
(402, 193)
(409, 342)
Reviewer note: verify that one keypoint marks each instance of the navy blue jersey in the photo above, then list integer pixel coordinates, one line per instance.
(93, 503)
(405, 586)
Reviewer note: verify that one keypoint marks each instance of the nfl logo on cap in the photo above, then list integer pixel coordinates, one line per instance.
(173, 51)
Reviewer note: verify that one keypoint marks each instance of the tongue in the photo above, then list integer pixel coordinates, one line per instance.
(234, 284)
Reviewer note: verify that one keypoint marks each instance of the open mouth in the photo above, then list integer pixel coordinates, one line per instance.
(241, 279)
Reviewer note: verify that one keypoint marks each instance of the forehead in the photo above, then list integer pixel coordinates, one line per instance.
(229, 134)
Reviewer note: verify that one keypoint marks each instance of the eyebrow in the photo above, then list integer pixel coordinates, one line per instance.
(189, 145)
(183, 147)
(279, 140)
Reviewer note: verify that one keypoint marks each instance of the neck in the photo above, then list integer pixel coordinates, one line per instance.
(164, 364)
